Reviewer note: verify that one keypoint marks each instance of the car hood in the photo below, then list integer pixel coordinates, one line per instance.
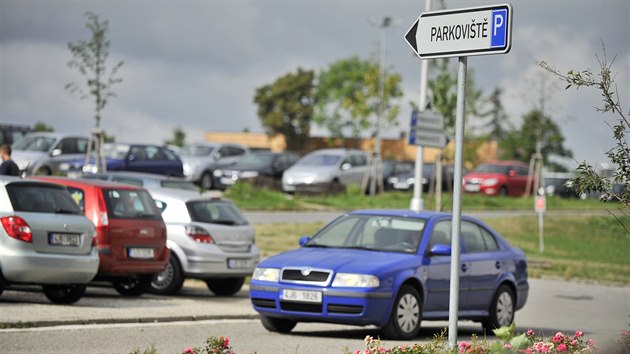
(23, 157)
(337, 259)
(308, 171)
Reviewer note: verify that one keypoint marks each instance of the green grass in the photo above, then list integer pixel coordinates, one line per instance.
(588, 248)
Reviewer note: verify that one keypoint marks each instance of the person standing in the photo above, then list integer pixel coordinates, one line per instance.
(8, 167)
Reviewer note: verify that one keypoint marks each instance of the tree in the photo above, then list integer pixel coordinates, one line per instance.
(43, 127)
(587, 179)
(497, 116)
(286, 107)
(179, 138)
(349, 93)
(520, 144)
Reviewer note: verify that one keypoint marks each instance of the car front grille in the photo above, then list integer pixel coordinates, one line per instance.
(306, 276)
(300, 307)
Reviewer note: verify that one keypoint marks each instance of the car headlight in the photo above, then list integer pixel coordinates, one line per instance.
(355, 280)
(217, 173)
(490, 182)
(392, 180)
(266, 274)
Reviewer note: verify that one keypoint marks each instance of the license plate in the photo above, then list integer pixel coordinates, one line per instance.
(142, 253)
(227, 181)
(240, 263)
(401, 185)
(56, 239)
(471, 188)
(302, 295)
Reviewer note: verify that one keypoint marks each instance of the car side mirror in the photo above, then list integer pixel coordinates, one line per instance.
(55, 152)
(440, 250)
(512, 173)
(304, 240)
(346, 166)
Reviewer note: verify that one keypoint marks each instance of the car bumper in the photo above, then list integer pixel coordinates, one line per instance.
(115, 266)
(41, 268)
(356, 307)
(214, 262)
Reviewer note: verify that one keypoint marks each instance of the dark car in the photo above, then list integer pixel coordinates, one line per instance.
(391, 269)
(392, 168)
(405, 181)
(262, 168)
(133, 157)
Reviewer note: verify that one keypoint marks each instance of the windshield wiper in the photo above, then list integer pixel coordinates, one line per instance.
(361, 248)
(316, 245)
(224, 222)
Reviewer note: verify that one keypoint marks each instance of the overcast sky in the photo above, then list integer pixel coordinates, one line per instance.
(196, 64)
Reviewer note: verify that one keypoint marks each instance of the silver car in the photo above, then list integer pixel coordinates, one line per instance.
(326, 170)
(143, 179)
(201, 159)
(208, 238)
(45, 239)
(44, 153)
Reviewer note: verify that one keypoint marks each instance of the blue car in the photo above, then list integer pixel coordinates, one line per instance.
(391, 269)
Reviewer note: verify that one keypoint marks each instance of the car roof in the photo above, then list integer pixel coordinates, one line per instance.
(181, 194)
(98, 183)
(55, 135)
(4, 180)
(337, 151)
(423, 214)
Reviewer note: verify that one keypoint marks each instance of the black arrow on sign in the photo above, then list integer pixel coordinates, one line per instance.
(411, 36)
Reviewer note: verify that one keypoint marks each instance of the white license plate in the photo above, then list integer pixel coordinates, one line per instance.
(302, 295)
(471, 188)
(56, 239)
(227, 181)
(401, 185)
(240, 263)
(142, 253)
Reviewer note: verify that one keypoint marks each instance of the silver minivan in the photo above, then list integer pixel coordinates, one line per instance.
(45, 239)
(326, 170)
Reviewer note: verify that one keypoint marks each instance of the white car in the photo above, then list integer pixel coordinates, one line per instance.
(44, 153)
(209, 239)
(201, 159)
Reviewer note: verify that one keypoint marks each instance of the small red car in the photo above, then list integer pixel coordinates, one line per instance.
(498, 178)
(131, 233)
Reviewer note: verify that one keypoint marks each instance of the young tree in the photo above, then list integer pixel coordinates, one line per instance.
(588, 180)
(43, 127)
(496, 115)
(349, 94)
(179, 138)
(286, 107)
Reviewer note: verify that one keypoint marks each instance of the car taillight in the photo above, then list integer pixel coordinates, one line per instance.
(198, 234)
(101, 219)
(17, 228)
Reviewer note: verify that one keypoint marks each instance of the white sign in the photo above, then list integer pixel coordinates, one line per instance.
(462, 32)
(427, 120)
(427, 129)
(430, 138)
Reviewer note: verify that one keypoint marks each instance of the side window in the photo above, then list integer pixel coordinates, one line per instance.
(489, 240)
(153, 153)
(441, 234)
(168, 154)
(473, 238)
(68, 146)
(348, 160)
(235, 151)
(359, 160)
(137, 153)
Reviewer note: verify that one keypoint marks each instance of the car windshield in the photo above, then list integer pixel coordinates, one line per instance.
(320, 160)
(215, 212)
(255, 160)
(34, 143)
(130, 204)
(490, 168)
(41, 199)
(196, 150)
(115, 151)
(371, 232)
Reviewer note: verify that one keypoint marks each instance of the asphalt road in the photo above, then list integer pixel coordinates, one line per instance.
(103, 322)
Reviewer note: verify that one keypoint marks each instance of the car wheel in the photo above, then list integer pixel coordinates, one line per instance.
(170, 280)
(225, 286)
(206, 181)
(501, 310)
(280, 325)
(64, 294)
(503, 191)
(404, 322)
(133, 286)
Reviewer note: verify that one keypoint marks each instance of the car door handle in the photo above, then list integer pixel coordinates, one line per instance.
(464, 267)
(497, 265)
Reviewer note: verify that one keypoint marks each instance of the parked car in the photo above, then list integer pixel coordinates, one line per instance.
(326, 170)
(10, 133)
(391, 269)
(142, 179)
(392, 168)
(264, 168)
(134, 158)
(44, 153)
(201, 159)
(497, 178)
(45, 239)
(208, 239)
(131, 235)
(406, 181)
(561, 184)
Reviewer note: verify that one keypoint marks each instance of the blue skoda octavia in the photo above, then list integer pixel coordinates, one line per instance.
(391, 269)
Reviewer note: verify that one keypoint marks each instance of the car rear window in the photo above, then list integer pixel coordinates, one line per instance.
(41, 198)
(215, 212)
(130, 204)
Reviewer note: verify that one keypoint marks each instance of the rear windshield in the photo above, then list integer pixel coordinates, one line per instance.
(130, 204)
(39, 198)
(215, 212)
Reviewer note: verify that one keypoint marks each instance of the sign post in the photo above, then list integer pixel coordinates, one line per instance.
(460, 33)
(540, 206)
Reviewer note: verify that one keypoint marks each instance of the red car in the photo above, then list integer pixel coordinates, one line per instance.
(131, 233)
(497, 178)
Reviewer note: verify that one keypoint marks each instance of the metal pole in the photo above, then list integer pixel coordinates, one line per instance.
(453, 305)
(416, 202)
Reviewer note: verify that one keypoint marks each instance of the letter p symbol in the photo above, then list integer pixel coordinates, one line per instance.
(499, 32)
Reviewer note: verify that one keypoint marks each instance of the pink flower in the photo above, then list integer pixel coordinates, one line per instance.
(578, 334)
(226, 342)
(527, 351)
(507, 346)
(463, 346)
(562, 347)
(558, 337)
(358, 351)
(530, 332)
(591, 343)
(574, 342)
(188, 350)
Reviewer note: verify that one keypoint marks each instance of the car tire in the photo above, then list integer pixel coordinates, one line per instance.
(225, 286)
(170, 280)
(206, 181)
(64, 294)
(503, 191)
(133, 286)
(279, 325)
(502, 309)
(404, 321)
